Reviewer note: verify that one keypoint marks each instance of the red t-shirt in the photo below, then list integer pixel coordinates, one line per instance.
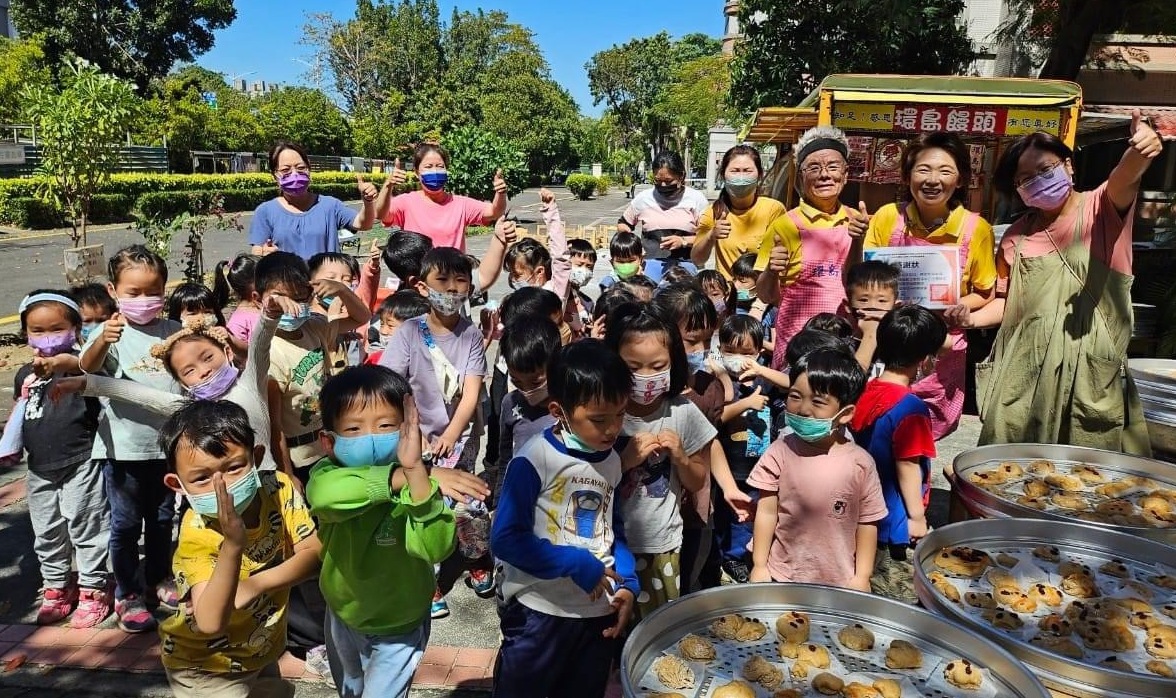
(912, 438)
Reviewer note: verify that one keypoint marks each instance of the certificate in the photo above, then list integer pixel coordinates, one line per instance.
(930, 273)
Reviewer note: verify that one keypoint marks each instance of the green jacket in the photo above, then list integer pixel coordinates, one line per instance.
(378, 550)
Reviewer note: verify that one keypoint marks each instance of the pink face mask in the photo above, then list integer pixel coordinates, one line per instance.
(1048, 190)
(141, 310)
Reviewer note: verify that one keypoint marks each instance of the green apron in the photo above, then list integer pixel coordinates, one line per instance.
(1057, 373)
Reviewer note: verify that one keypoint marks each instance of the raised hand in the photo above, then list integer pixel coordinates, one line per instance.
(398, 176)
(722, 229)
(367, 190)
(113, 329)
(506, 230)
(277, 305)
(408, 453)
(757, 400)
(859, 220)
(231, 525)
(328, 287)
(1144, 139)
(546, 196)
(499, 183)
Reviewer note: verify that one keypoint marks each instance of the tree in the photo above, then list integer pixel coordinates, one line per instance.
(22, 63)
(789, 46)
(475, 155)
(132, 39)
(629, 79)
(80, 129)
(695, 100)
(303, 115)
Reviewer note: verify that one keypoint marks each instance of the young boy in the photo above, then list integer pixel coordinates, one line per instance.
(872, 290)
(578, 311)
(529, 263)
(442, 357)
(820, 500)
(743, 277)
(894, 425)
(394, 311)
(383, 525)
(350, 347)
(527, 346)
(627, 256)
(96, 305)
(568, 578)
(246, 539)
(405, 252)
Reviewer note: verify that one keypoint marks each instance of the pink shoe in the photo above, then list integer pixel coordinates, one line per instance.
(165, 596)
(94, 605)
(56, 604)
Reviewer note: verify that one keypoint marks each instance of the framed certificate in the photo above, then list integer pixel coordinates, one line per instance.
(930, 273)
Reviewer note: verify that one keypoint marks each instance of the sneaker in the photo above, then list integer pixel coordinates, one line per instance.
(737, 571)
(439, 609)
(93, 608)
(133, 616)
(165, 596)
(482, 582)
(56, 605)
(316, 661)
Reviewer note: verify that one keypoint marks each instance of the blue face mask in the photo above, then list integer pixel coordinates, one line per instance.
(697, 361)
(743, 294)
(573, 442)
(88, 329)
(366, 449)
(242, 491)
(435, 180)
(290, 323)
(810, 429)
(326, 301)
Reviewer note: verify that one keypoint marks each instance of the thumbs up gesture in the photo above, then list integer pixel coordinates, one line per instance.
(722, 229)
(1144, 139)
(367, 190)
(859, 220)
(505, 230)
(113, 328)
(397, 178)
(499, 182)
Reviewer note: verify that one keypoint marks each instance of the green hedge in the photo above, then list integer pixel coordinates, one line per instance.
(581, 185)
(32, 213)
(172, 203)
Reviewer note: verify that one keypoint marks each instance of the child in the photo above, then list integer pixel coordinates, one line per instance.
(133, 465)
(568, 581)
(894, 425)
(193, 301)
(744, 300)
(578, 312)
(67, 506)
(394, 311)
(675, 274)
(236, 279)
(96, 307)
(831, 323)
(627, 256)
(529, 263)
(442, 356)
(820, 500)
(350, 347)
(373, 490)
(872, 290)
(717, 289)
(659, 415)
(245, 540)
(527, 346)
(641, 286)
(405, 252)
(609, 300)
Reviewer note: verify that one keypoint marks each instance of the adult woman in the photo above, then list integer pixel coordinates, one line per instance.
(737, 222)
(298, 220)
(1057, 373)
(669, 213)
(936, 168)
(432, 211)
(804, 251)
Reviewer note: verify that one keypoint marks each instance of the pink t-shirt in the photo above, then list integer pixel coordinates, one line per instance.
(1105, 232)
(443, 223)
(823, 497)
(241, 323)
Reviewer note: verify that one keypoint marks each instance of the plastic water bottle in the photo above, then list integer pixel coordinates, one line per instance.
(473, 528)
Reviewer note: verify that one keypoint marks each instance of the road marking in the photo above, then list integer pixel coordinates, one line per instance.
(15, 319)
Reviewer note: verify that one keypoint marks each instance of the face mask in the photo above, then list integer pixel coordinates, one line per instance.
(1048, 190)
(53, 344)
(242, 491)
(648, 388)
(734, 363)
(741, 185)
(518, 283)
(294, 183)
(580, 276)
(88, 329)
(140, 310)
(366, 449)
(743, 294)
(720, 305)
(446, 303)
(217, 385)
(626, 269)
(290, 323)
(668, 191)
(573, 442)
(697, 361)
(435, 180)
(326, 301)
(535, 395)
(810, 429)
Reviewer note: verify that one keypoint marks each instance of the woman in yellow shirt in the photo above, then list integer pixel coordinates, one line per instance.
(936, 167)
(736, 223)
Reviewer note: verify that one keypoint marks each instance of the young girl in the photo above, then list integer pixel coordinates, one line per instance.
(675, 438)
(127, 443)
(191, 301)
(235, 279)
(200, 359)
(66, 503)
(717, 289)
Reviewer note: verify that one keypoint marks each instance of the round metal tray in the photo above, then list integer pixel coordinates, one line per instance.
(828, 606)
(989, 504)
(1071, 676)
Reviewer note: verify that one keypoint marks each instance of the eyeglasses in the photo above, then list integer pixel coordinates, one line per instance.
(815, 169)
(1043, 170)
(300, 169)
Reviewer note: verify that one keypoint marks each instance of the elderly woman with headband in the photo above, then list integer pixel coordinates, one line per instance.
(804, 252)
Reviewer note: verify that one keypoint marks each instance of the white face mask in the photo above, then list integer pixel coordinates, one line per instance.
(647, 388)
(580, 276)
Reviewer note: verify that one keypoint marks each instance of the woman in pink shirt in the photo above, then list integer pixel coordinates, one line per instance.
(1057, 373)
(432, 211)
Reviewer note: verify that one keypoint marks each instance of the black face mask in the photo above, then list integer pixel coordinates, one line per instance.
(668, 191)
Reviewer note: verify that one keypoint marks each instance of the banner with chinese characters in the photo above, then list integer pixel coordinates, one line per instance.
(930, 274)
(924, 118)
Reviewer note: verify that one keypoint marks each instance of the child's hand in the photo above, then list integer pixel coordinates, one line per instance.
(505, 231)
(247, 590)
(640, 448)
(608, 581)
(408, 453)
(66, 386)
(277, 305)
(756, 401)
(546, 196)
(714, 367)
(759, 575)
(489, 323)
(43, 366)
(740, 503)
(778, 259)
(597, 328)
(722, 229)
(375, 254)
(231, 525)
(459, 485)
(751, 369)
(958, 316)
(113, 329)
(328, 287)
(442, 446)
(622, 603)
(672, 444)
(917, 528)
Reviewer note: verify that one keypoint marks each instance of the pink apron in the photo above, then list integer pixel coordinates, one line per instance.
(943, 390)
(818, 287)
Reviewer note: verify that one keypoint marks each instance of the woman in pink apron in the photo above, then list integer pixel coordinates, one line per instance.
(804, 252)
(936, 167)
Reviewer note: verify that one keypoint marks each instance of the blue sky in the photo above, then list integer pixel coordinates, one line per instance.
(262, 44)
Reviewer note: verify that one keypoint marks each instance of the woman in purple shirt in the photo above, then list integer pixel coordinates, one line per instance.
(298, 220)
